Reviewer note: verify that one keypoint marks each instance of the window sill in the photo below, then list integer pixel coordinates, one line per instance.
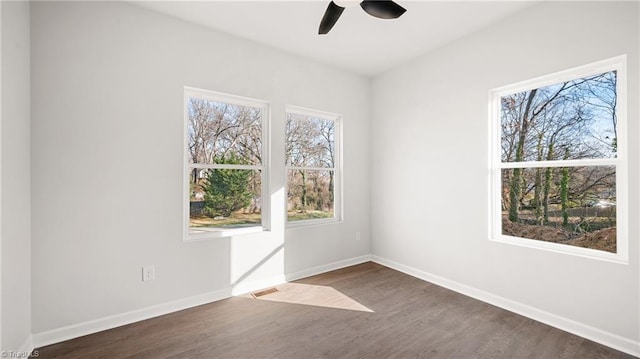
(619, 258)
(214, 233)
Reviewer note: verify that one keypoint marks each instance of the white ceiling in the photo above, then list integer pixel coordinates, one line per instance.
(358, 42)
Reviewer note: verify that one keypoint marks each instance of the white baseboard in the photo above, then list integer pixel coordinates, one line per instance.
(22, 352)
(26, 347)
(254, 285)
(327, 268)
(597, 335)
(97, 325)
(77, 330)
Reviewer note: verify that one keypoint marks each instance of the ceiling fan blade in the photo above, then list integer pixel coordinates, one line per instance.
(331, 15)
(383, 9)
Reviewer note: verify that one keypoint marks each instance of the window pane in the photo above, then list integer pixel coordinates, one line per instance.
(569, 120)
(567, 205)
(218, 132)
(224, 198)
(310, 141)
(310, 194)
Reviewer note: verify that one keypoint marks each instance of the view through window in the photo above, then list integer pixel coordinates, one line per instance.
(559, 161)
(312, 155)
(225, 162)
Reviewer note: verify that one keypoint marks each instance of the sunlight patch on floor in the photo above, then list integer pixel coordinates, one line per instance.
(315, 295)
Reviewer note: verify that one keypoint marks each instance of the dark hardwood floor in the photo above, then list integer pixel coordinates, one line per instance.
(364, 311)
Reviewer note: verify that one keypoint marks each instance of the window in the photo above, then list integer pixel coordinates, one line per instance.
(225, 164)
(312, 159)
(559, 162)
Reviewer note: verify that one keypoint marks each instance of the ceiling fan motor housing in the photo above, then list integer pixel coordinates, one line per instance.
(383, 9)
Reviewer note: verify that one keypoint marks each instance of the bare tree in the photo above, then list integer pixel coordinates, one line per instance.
(310, 146)
(572, 120)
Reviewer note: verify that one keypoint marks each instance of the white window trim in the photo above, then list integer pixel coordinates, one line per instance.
(191, 92)
(338, 185)
(618, 63)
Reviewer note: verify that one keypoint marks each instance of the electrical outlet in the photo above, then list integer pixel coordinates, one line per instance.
(357, 236)
(148, 273)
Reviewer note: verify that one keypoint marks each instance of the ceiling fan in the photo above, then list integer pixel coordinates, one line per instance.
(383, 9)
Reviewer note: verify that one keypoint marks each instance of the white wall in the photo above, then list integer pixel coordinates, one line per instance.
(107, 117)
(106, 157)
(430, 174)
(16, 179)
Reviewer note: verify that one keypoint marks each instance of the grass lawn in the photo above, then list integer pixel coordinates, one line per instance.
(236, 220)
(300, 216)
(244, 219)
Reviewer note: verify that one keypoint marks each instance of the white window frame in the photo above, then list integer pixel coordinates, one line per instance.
(337, 195)
(618, 64)
(191, 92)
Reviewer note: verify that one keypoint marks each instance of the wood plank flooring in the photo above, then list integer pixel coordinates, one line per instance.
(389, 315)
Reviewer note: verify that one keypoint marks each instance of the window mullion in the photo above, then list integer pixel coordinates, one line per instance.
(226, 166)
(560, 163)
(303, 168)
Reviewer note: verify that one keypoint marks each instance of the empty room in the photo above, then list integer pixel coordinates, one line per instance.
(320, 179)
